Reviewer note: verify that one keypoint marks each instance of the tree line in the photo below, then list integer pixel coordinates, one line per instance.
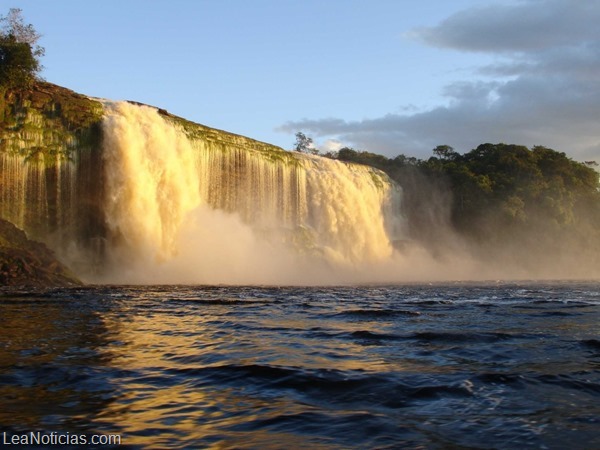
(496, 195)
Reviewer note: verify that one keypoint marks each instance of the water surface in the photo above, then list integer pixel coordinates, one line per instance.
(463, 365)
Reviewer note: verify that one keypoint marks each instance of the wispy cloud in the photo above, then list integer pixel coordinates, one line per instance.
(543, 89)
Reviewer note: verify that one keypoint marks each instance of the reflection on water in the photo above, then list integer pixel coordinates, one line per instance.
(51, 363)
(374, 367)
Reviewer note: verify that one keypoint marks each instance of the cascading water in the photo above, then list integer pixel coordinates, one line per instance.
(183, 208)
(126, 193)
(55, 200)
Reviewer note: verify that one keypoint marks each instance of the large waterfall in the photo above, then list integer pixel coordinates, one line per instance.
(182, 208)
(152, 198)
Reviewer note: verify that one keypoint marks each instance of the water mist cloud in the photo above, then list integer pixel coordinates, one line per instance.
(182, 208)
(542, 89)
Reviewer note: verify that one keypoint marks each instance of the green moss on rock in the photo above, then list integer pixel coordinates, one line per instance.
(196, 131)
(47, 123)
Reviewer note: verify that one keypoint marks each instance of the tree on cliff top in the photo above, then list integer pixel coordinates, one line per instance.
(304, 144)
(19, 52)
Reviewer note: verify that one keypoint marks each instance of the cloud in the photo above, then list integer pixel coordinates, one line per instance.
(543, 89)
(519, 27)
(331, 145)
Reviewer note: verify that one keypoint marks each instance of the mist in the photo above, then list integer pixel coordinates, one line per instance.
(509, 239)
(187, 210)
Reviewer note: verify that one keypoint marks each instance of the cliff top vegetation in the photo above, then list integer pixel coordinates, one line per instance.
(19, 52)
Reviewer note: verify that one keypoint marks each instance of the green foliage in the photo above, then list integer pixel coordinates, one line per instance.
(224, 140)
(304, 144)
(18, 66)
(497, 194)
(503, 193)
(19, 54)
(388, 165)
(47, 123)
(445, 152)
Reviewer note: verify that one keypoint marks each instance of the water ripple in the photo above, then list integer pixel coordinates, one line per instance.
(457, 365)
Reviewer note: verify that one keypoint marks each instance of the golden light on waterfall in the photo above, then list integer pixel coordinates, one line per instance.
(194, 208)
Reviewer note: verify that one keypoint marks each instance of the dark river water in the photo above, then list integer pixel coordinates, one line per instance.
(492, 366)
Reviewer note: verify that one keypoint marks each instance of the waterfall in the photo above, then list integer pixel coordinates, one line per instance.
(54, 200)
(188, 204)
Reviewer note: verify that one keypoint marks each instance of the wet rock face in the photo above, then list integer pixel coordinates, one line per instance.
(51, 165)
(29, 263)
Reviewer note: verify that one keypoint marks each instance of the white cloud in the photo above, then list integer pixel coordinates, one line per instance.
(331, 145)
(543, 89)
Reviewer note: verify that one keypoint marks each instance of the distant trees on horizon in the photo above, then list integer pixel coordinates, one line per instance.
(497, 195)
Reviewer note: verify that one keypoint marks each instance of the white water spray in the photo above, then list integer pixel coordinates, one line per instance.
(193, 209)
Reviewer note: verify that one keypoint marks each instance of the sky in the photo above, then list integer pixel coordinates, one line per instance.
(386, 76)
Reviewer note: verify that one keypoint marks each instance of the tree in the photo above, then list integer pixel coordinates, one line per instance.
(304, 144)
(19, 52)
(445, 152)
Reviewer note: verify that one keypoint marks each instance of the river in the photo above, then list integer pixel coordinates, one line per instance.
(455, 365)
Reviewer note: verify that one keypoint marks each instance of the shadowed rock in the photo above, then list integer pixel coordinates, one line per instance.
(29, 263)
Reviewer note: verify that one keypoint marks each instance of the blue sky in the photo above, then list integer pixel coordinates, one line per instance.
(388, 76)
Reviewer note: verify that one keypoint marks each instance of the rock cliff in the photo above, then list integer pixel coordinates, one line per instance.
(29, 263)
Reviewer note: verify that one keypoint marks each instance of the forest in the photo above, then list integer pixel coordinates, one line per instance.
(499, 199)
